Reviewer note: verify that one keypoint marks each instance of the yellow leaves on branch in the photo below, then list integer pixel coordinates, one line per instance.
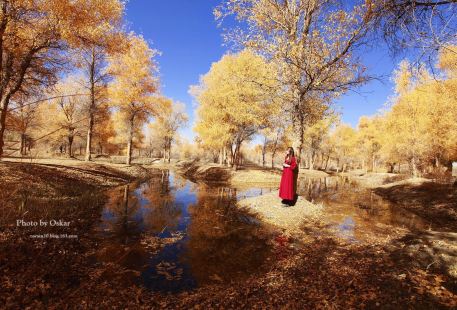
(235, 98)
(83, 21)
(135, 79)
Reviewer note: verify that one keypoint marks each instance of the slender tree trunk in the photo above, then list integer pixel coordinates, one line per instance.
(273, 154)
(169, 151)
(300, 130)
(264, 151)
(414, 166)
(70, 144)
(311, 161)
(23, 147)
(89, 139)
(4, 107)
(372, 163)
(326, 162)
(92, 107)
(237, 154)
(130, 142)
(225, 161)
(300, 146)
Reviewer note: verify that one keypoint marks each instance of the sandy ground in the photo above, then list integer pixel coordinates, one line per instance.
(269, 209)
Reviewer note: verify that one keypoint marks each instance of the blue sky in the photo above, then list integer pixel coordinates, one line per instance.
(185, 32)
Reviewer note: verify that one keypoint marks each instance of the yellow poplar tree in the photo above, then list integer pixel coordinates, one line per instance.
(168, 120)
(34, 35)
(135, 83)
(312, 42)
(235, 99)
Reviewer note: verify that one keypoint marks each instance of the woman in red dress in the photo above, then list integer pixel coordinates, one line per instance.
(288, 187)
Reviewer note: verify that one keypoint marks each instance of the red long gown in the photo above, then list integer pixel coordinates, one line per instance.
(287, 188)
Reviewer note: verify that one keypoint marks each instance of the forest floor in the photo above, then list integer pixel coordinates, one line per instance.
(57, 177)
(319, 271)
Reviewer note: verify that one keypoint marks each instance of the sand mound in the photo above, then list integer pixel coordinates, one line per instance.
(269, 209)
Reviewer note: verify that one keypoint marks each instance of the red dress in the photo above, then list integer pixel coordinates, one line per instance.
(287, 188)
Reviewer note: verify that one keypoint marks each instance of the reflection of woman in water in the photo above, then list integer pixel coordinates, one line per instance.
(287, 187)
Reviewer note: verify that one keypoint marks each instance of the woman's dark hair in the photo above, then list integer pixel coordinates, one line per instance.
(291, 149)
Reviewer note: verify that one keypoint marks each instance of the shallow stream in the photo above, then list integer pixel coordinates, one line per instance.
(171, 234)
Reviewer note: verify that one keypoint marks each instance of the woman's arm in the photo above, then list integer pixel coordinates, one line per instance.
(293, 163)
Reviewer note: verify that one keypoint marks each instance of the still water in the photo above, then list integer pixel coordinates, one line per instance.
(171, 234)
(357, 213)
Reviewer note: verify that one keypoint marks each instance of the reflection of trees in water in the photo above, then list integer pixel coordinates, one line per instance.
(163, 212)
(221, 246)
(123, 248)
(123, 205)
(135, 209)
(346, 198)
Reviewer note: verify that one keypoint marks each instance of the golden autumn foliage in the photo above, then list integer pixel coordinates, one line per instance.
(34, 36)
(312, 44)
(424, 111)
(135, 83)
(235, 101)
(168, 119)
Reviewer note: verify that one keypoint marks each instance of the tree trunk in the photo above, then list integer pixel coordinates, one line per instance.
(237, 155)
(311, 161)
(169, 151)
(70, 144)
(300, 130)
(232, 156)
(326, 162)
(23, 147)
(273, 159)
(89, 138)
(414, 166)
(4, 105)
(225, 161)
(130, 142)
(391, 167)
(91, 108)
(264, 151)
(373, 163)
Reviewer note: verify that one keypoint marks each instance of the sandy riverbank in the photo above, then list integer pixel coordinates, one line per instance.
(268, 209)
(51, 178)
